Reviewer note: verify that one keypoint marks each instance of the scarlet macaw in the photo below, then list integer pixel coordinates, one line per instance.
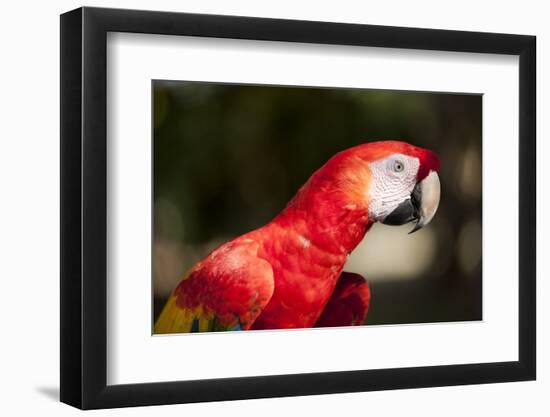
(288, 273)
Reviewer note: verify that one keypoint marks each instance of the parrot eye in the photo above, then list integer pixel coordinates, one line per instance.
(398, 166)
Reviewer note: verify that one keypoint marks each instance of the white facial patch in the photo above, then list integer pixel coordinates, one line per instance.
(392, 182)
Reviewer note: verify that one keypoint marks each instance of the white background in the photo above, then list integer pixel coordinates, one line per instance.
(30, 205)
(134, 356)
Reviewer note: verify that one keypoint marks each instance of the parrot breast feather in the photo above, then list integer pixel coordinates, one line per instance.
(226, 291)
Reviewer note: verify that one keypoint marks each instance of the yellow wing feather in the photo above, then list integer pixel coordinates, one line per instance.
(175, 319)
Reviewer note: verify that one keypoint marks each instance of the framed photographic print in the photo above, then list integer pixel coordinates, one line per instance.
(257, 208)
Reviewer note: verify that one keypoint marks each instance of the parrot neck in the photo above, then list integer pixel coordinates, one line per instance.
(331, 209)
(307, 245)
(326, 220)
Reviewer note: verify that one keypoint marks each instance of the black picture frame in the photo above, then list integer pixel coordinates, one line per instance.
(84, 207)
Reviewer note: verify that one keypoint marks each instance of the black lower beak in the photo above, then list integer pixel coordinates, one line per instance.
(403, 213)
(420, 206)
(407, 211)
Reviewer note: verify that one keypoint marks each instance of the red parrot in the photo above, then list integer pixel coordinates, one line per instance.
(289, 273)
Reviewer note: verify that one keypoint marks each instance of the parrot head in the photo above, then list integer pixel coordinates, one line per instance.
(395, 182)
(404, 185)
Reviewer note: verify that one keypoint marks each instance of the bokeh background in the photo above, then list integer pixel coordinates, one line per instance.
(227, 159)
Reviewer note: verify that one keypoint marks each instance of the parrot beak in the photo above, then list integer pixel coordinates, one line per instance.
(420, 207)
(425, 198)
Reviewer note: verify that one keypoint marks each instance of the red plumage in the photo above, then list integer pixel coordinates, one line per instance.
(288, 272)
(348, 304)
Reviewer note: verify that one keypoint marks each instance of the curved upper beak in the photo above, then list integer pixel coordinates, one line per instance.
(420, 207)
